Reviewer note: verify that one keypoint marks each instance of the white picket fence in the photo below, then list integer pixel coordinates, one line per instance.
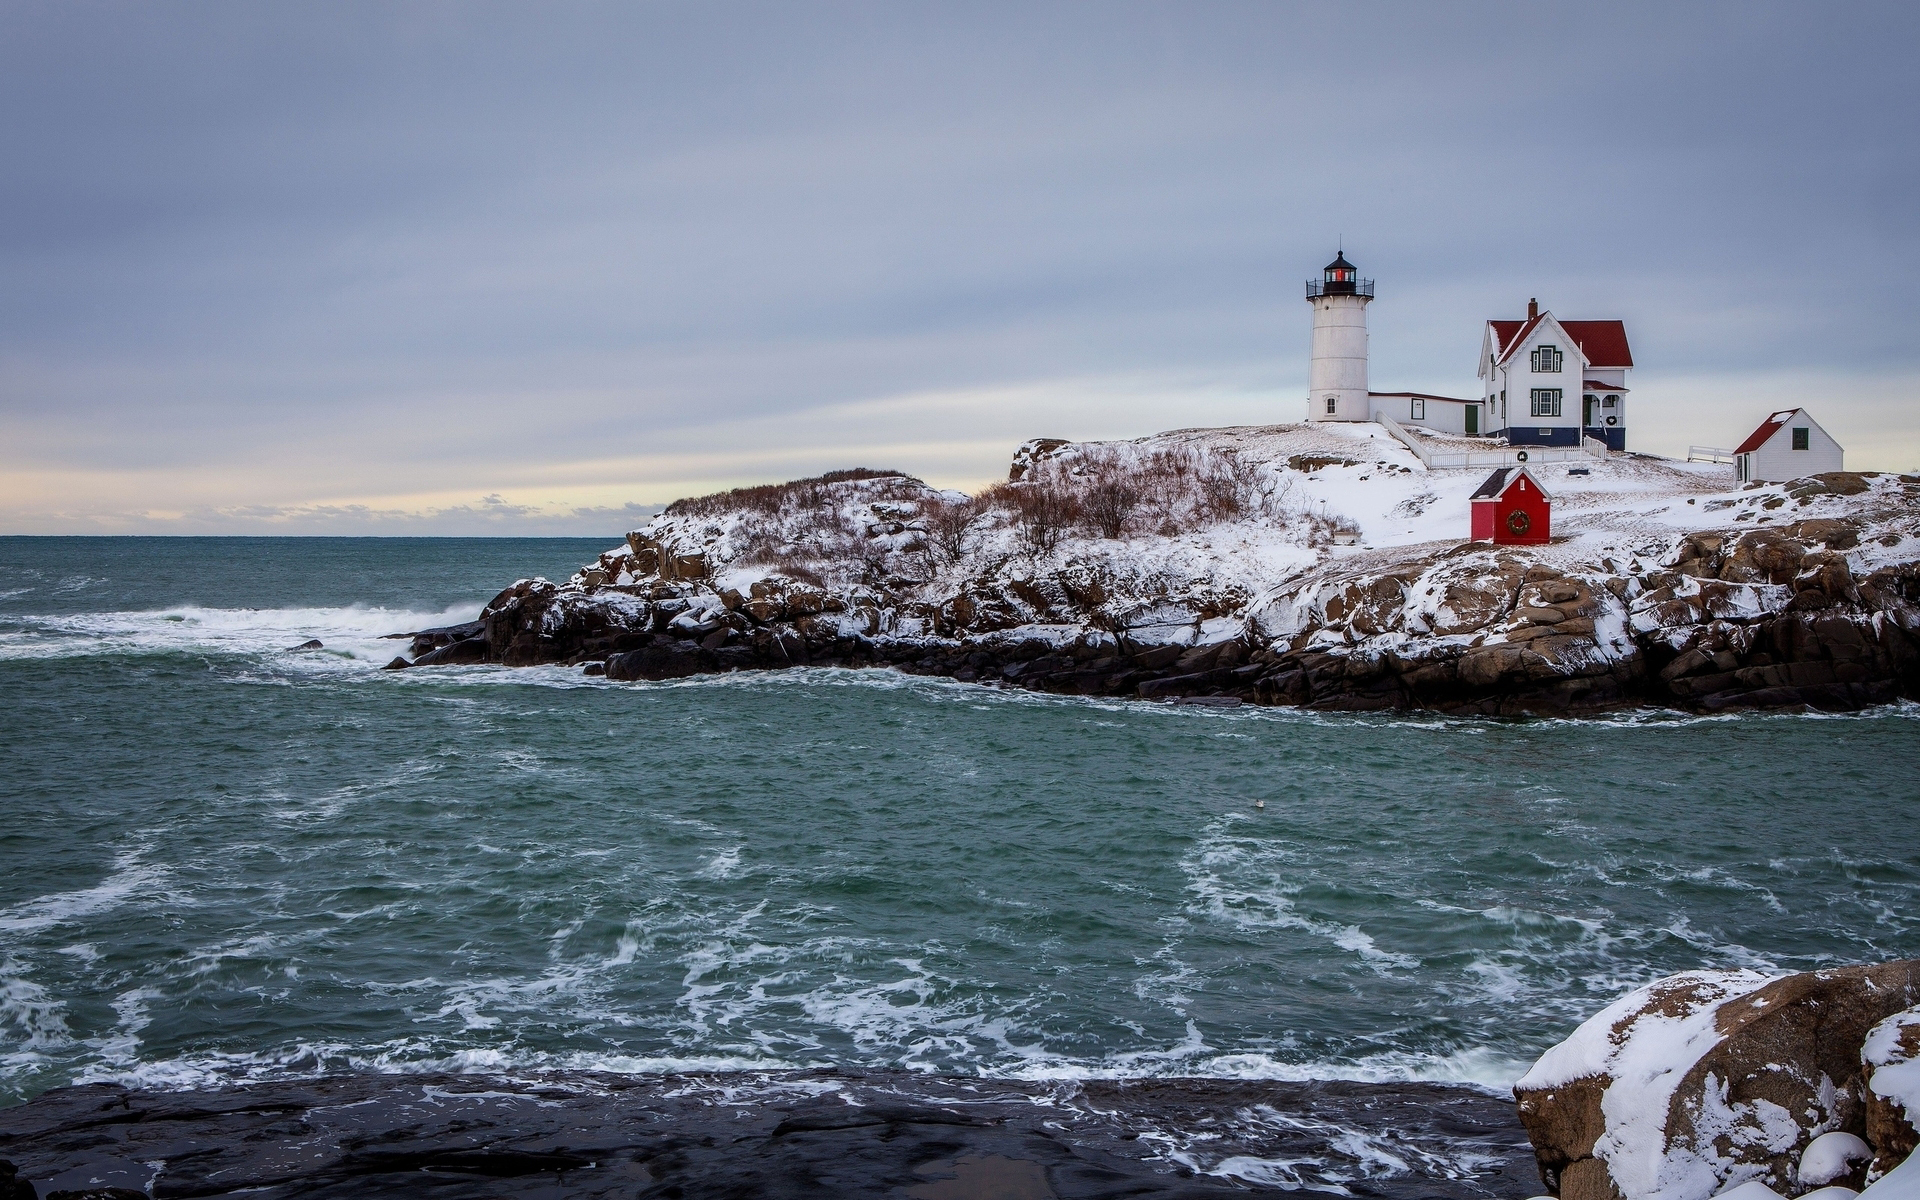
(1504, 456)
(1712, 454)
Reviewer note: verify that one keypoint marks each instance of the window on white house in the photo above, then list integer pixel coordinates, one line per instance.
(1546, 402)
(1799, 439)
(1419, 410)
(1547, 360)
(1610, 402)
(1332, 404)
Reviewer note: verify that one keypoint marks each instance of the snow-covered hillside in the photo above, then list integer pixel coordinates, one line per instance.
(1220, 546)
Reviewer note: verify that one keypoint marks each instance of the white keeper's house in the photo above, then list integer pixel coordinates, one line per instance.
(1549, 382)
(1544, 381)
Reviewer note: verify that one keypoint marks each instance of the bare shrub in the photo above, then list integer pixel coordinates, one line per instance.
(1043, 506)
(1109, 491)
(802, 573)
(946, 523)
(1109, 503)
(1113, 491)
(774, 498)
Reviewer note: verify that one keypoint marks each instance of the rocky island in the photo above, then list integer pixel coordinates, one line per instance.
(1311, 565)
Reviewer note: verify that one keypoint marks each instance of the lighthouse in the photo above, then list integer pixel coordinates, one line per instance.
(1338, 375)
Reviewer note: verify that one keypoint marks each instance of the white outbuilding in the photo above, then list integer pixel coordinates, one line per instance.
(1788, 445)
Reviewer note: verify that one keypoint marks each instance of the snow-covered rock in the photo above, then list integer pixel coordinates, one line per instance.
(1707, 1080)
(1837, 1156)
(1891, 1058)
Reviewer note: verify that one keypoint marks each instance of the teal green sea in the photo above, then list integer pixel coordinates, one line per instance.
(224, 859)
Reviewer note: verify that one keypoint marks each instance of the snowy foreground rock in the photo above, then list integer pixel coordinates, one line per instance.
(1736, 1084)
(1303, 565)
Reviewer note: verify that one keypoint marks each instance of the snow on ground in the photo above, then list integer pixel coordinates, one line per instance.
(1226, 524)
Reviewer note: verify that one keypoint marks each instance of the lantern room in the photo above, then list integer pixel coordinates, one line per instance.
(1340, 278)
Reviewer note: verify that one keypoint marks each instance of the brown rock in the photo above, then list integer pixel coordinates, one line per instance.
(1477, 601)
(1529, 632)
(1826, 572)
(1723, 1076)
(1487, 665)
(1833, 533)
(1843, 483)
(1763, 556)
(1540, 616)
(683, 566)
(805, 603)
(1893, 1124)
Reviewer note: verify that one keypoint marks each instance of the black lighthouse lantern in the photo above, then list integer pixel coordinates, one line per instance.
(1341, 278)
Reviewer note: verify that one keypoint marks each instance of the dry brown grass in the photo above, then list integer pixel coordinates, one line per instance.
(1111, 492)
(775, 498)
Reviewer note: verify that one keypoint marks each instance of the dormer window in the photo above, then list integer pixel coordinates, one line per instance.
(1547, 360)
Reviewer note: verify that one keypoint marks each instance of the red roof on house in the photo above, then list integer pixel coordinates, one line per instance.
(1603, 342)
(1507, 334)
(1594, 385)
(1768, 428)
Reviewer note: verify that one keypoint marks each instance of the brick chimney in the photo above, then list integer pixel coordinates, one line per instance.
(1533, 308)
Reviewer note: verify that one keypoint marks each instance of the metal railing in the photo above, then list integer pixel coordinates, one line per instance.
(1317, 288)
(1712, 454)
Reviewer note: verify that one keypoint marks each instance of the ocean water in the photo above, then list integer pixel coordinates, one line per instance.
(225, 860)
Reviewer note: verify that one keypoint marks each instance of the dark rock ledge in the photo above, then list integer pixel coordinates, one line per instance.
(1842, 644)
(808, 1134)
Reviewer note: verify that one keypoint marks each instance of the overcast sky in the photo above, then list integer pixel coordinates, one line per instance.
(471, 268)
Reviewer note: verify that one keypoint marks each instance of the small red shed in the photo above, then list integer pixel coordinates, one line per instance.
(1512, 509)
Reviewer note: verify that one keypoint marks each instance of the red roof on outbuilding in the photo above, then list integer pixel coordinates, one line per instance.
(1768, 428)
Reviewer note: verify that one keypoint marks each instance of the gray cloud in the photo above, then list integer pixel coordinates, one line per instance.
(362, 259)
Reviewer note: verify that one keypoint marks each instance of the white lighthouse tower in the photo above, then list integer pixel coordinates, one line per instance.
(1338, 376)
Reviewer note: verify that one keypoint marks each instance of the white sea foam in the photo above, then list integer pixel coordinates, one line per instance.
(1242, 881)
(354, 636)
(33, 1020)
(1351, 1154)
(129, 877)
